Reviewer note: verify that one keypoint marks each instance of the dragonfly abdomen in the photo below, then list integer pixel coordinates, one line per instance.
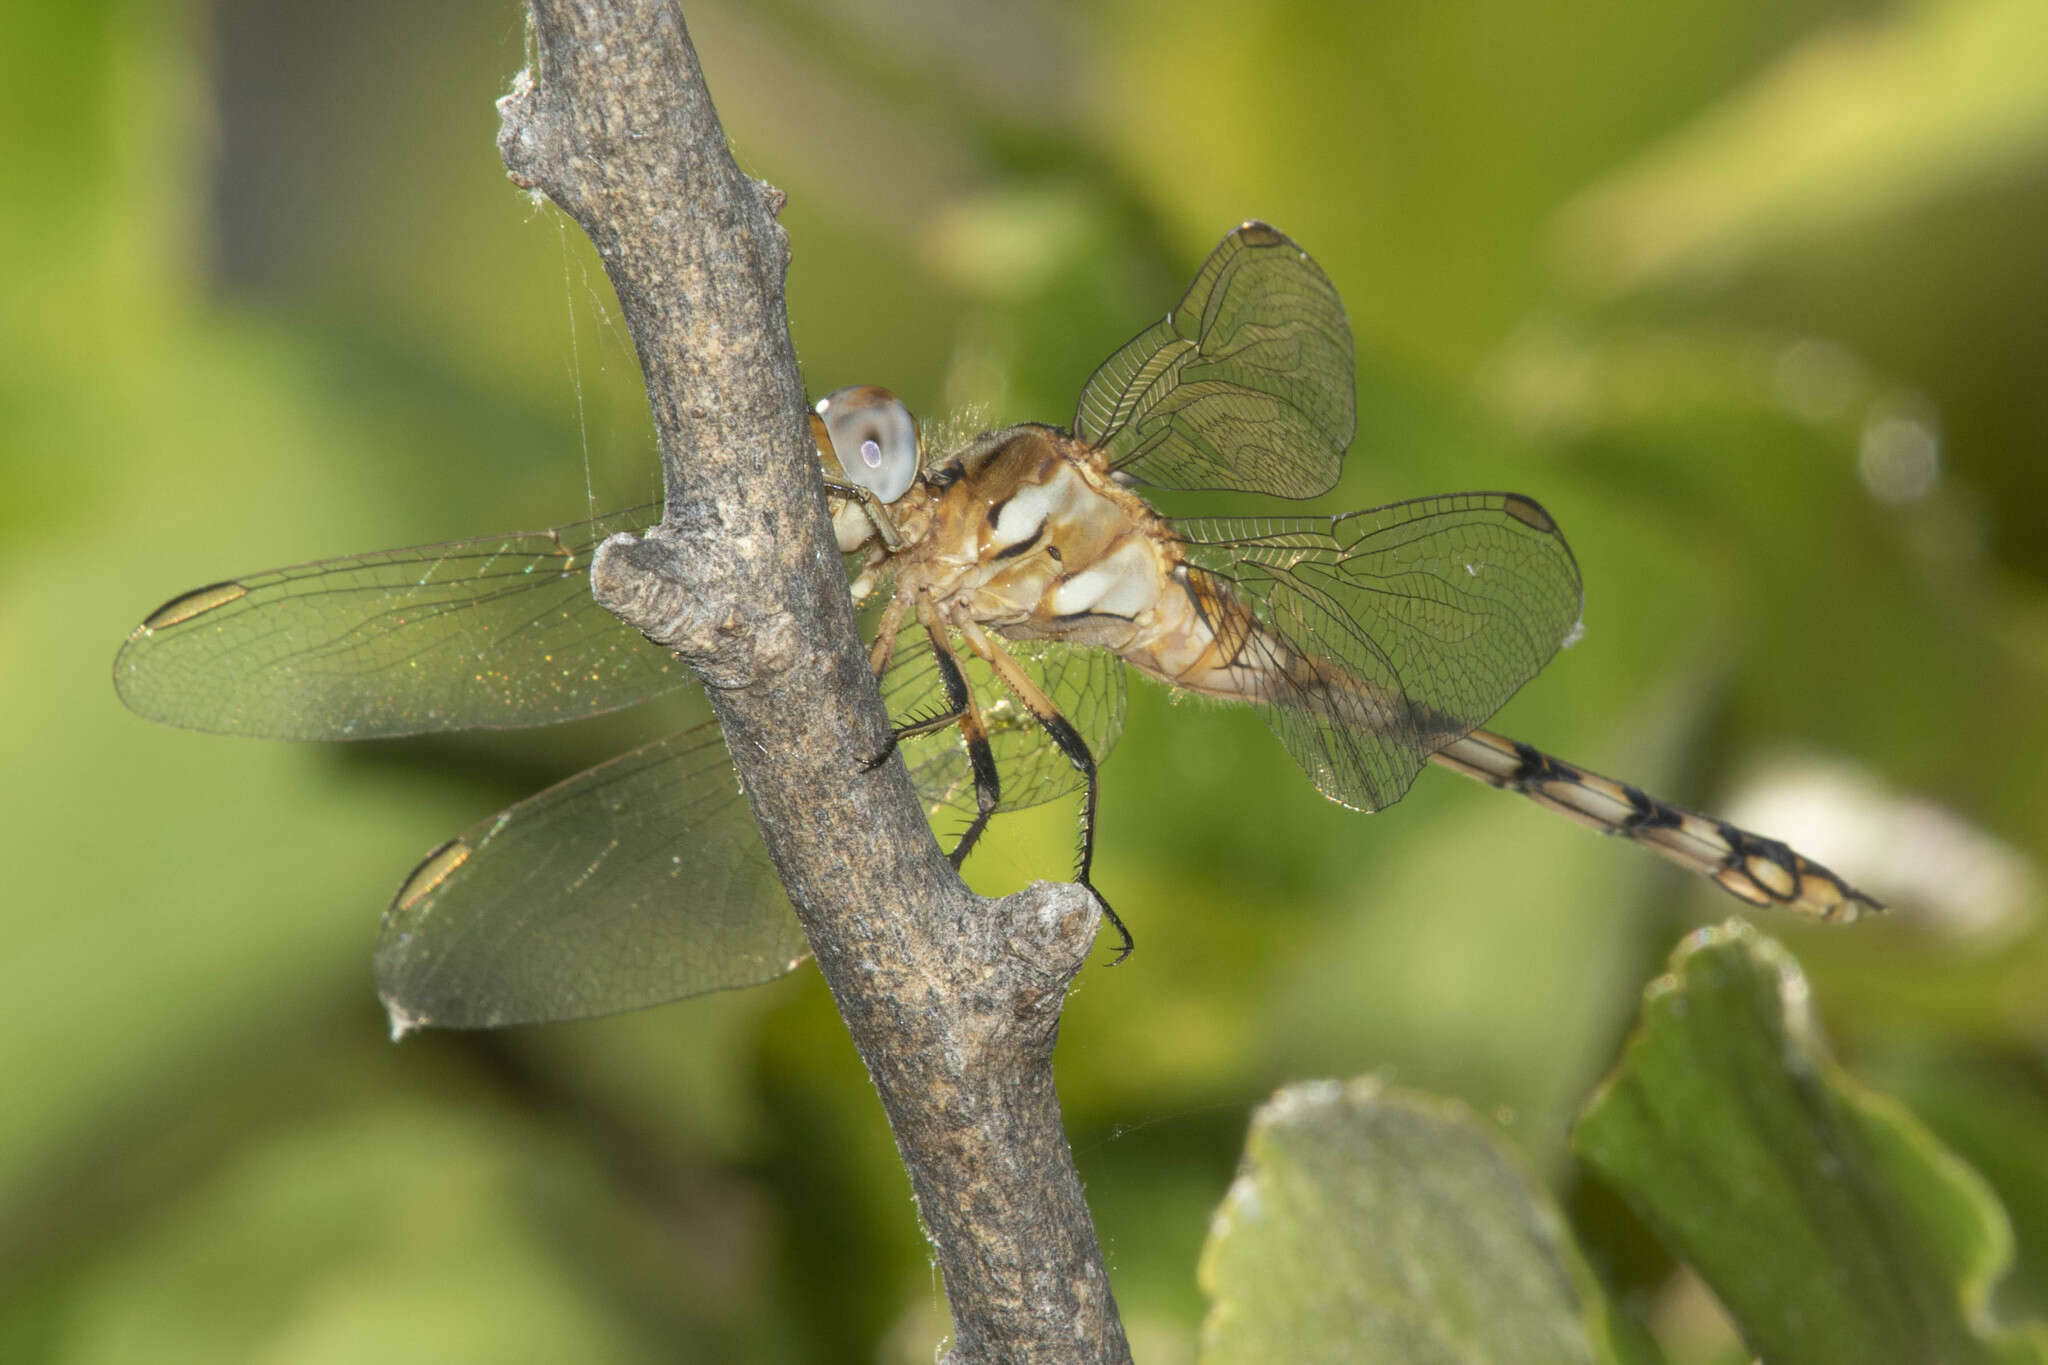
(1759, 870)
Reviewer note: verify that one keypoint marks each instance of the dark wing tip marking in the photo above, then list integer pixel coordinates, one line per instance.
(185, 606)
(1529, 512)
(1256, 232)
(433, 869)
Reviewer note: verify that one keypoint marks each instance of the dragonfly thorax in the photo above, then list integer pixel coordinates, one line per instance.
(1028, 534)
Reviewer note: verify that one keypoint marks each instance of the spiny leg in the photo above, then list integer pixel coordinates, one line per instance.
(959, 700)
(1071, 744)
(961, 709)
(880, 655)
(883, 651)
(988, 790)
(1758, 870)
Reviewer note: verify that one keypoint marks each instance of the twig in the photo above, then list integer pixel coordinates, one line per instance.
(952, 1000)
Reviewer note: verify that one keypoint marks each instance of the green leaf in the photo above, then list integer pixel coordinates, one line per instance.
(1369, 1224)
(1833, 1225)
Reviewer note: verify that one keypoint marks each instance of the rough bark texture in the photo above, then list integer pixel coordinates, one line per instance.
(952, 1000)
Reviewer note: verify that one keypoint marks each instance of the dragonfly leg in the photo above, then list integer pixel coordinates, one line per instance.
(1071, 744)
(988, 789)
(961, 709)
(959, 697)
(880, 655)
(883, 652)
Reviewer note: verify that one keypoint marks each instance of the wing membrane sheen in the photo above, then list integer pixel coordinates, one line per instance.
(1247, 385)
(637, 882)
(1386, 634)
(492, 633)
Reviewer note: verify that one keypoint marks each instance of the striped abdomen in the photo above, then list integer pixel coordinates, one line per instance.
(1759, 870)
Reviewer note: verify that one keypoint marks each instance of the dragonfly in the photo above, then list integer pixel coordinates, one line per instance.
(1010, 584)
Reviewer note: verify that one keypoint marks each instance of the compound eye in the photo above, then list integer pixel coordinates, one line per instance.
(874, 436)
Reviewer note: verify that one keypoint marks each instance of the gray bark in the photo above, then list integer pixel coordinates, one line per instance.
(952, 1000)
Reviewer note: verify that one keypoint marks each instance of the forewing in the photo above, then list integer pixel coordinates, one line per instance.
(1087, 685)
(496, 632)
(1247, 385)
(1388, 633)
(640, 881)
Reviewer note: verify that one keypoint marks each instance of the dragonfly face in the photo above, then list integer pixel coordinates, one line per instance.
(883, 450)
(1010, 583)
(882, 443)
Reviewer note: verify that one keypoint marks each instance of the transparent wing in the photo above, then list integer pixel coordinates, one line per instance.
(1086, 684)
(1246, 385)
(497, 632)
(1381, 636)
(640, 881)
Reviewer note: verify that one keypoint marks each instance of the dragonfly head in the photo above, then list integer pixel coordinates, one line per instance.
(871, 450)
(867, 438)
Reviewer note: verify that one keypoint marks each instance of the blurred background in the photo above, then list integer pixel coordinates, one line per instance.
(1752, 296)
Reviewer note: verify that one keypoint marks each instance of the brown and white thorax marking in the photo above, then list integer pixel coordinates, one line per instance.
(1027, 534)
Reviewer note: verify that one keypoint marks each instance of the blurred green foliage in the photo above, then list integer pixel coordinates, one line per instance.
(1750, 295)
